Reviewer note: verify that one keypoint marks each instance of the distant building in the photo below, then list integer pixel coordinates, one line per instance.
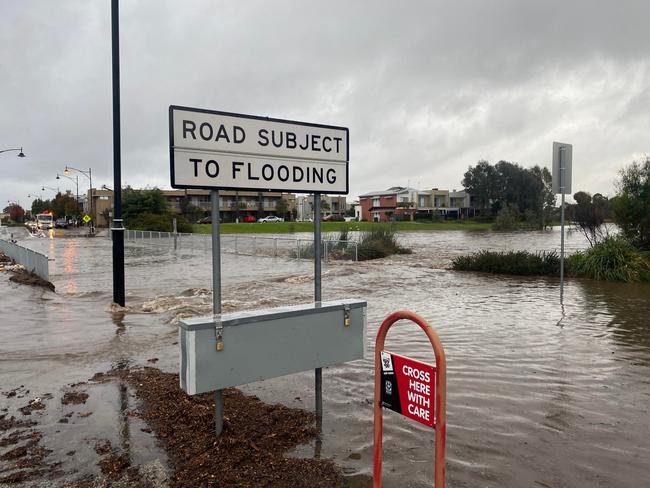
(102, 206)
(330, 205)
(235, 205)
(399, 203)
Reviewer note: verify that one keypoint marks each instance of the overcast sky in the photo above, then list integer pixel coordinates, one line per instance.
(426, 88)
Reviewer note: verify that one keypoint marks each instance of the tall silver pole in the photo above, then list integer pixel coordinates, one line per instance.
(561, 156)
(317, 298)
(216, 296)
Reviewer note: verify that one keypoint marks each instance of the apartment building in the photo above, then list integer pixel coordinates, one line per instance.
(235, 205)
(330, 205)
(398, 203)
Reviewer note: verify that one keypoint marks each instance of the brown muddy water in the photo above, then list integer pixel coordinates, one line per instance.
(539, 395)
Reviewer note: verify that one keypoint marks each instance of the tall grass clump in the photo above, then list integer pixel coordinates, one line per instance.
(379, 242)
(612, 259)
(520, 263)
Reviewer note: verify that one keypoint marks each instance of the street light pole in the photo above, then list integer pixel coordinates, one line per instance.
(21, 154)
(88, 174)
(75, 180)
(117, 229)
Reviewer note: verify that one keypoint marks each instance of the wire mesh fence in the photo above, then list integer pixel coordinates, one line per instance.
(251, 245)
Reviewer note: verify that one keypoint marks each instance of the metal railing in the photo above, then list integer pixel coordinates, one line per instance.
(252, 245)
(32, 261)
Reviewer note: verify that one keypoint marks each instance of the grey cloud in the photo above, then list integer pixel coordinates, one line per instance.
(427, 88)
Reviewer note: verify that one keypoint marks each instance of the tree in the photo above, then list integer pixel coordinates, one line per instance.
(64, 204)
(39, 206)
(16, 212)
(526, 191)
(589, 216)
(632, 203)
(324, 205)
(282, 207)
(479, 181)
(136, 202)
(547, 197)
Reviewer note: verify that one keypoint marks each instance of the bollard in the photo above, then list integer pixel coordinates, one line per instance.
(385, 365)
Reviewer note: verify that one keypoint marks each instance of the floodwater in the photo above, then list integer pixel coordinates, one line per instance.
(539, 394)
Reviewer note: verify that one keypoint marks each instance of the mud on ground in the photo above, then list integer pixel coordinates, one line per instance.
(22, 276)
(250, 452)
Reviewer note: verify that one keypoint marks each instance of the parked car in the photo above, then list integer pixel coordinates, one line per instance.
(271, 218)
(249, 218)
(333, 218)
(61, 224)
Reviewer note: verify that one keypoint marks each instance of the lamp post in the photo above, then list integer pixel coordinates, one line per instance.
(117, 229)
(21, 154)
(75, 180)
(88, 174)
(56, 190)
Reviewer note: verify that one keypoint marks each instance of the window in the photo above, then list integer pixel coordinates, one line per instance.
(375, 202)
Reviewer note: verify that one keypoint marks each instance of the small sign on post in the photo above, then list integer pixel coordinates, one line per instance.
(407, 387)
(562, 162)
(562, 166)
(415, 389)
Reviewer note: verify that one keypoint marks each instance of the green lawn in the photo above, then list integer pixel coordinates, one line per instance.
(290, 227)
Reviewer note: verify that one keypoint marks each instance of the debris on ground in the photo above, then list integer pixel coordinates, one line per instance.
(249, 453)
(74, 397)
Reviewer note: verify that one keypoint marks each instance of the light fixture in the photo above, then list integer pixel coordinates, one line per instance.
(21, 154)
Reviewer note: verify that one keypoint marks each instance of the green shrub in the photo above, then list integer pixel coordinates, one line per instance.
(379, 242)
(612, 259)
(521, 263)
(159, 222)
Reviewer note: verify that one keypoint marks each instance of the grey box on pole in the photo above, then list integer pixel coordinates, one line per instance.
(560, 186)
(268, 343)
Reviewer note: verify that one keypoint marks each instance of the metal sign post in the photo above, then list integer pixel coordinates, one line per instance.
(216, 299)
(216, 150)
(562, 179)
(317, 298)
(562, 160)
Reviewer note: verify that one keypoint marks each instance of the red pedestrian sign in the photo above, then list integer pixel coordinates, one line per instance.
(408, 387)
(415, 389)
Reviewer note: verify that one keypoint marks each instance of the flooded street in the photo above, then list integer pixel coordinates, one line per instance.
(538, 394)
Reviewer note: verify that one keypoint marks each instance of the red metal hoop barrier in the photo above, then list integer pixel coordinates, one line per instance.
(440, 376)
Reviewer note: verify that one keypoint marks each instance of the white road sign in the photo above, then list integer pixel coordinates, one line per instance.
(562, 159)
(219, 150)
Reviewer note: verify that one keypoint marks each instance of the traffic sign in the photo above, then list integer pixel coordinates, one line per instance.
(407, 387)
(220, 150)
(562, 162)
(86, 218)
